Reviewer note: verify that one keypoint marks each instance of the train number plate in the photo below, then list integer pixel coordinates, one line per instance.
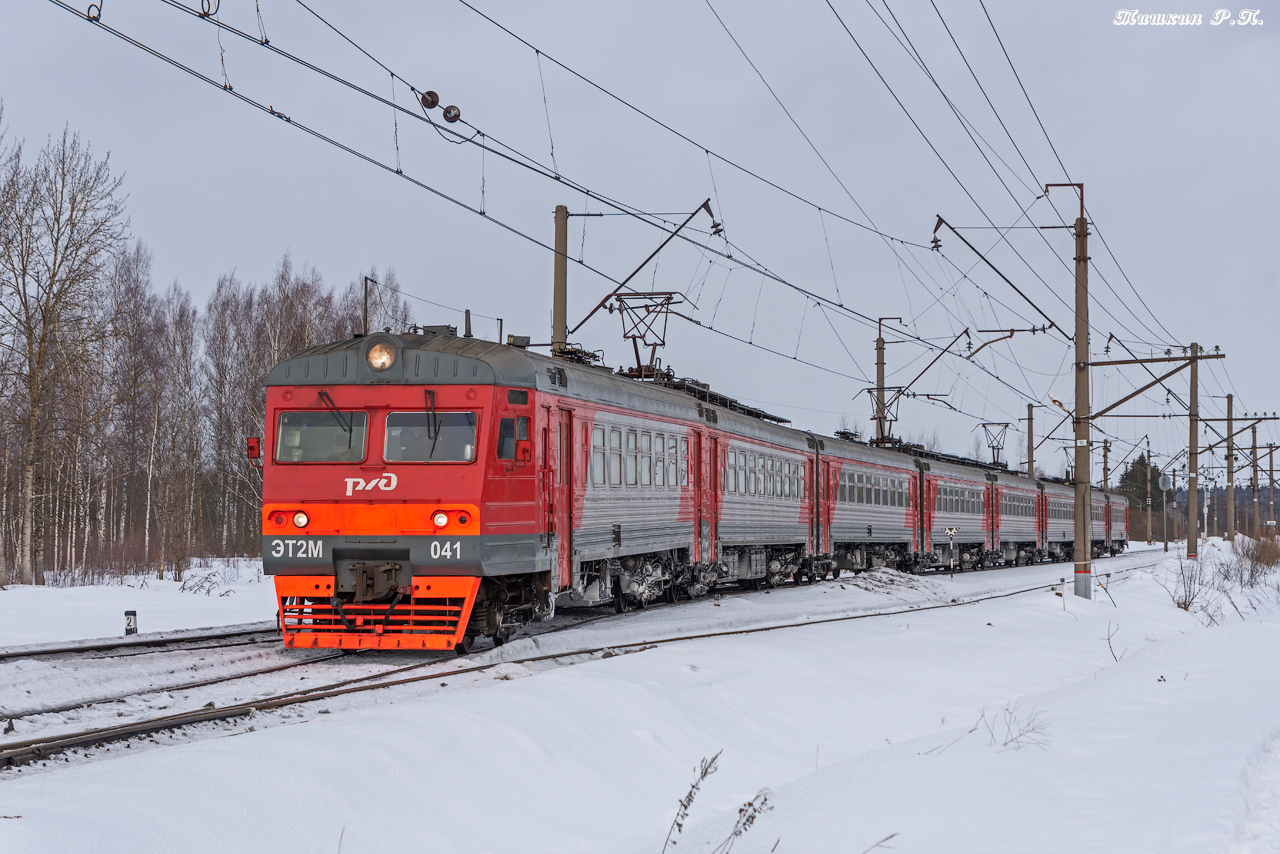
(446, 550)
(297, 548)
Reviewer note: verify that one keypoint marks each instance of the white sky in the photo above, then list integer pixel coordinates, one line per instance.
(1172, 129)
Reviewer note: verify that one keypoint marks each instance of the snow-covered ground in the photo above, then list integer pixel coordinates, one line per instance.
(1005, 725)
(217, 593)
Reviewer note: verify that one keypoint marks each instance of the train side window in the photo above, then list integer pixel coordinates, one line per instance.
(615, 457)
(786, 480)
(742, 473)
(731, 473)
(631, 458)
(597, 457)
(673, 462)
(751, 476)
(843, 492)
(659, 460)
(684, 462)
(507, 439)
(646, 459)
(510, 431)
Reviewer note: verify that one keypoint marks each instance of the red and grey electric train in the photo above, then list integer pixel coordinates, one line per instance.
(423, 490)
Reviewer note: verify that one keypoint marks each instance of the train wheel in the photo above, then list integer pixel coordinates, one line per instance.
(619, 599)
(464, 646)
(835, 573)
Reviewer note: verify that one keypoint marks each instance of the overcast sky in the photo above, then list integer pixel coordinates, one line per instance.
(1172, 129)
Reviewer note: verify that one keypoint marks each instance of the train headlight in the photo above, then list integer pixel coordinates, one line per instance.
(381, 356)
(300, 519)
(440, 520)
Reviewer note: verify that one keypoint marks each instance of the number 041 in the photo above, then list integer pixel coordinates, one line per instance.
(446, 550)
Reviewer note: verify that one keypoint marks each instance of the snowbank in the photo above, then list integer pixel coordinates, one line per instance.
(859, 729)
(223, 592)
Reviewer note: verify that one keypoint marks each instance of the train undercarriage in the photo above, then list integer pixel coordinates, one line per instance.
(388, 609)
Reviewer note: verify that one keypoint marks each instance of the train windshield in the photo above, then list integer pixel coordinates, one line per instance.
(431, 437)
(321, 436)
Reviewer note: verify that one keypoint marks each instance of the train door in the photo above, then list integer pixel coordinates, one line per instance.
(922, 509)
(698, 547)
(547, 483)
(993, 516)
(1042, 518)
(562, 516)
(824, 495)
(988, 529)
(715, 498)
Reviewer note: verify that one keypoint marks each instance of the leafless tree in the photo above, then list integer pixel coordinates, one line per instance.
(62, 219)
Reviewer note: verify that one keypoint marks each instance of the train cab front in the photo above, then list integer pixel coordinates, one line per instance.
(372, 493)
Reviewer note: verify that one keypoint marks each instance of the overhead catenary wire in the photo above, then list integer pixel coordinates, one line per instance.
(527, 162)
(278, 114)
(315, 133)
(710, 152)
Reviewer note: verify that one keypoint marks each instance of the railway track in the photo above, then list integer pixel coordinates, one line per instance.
(21, 752)
(144, 643)
(151, 646)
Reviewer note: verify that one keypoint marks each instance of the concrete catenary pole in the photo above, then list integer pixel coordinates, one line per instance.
(880, 414)
(1193, 458)
(1271, 489)
(1253, 487)
(1084, 503)
(560, 296)
(1031, 441)
(1150, 473)
(1231, 470)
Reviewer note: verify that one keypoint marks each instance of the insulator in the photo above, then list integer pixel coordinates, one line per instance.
(429, 99)
(452, 114)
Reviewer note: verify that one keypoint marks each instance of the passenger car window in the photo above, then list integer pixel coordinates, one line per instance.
(597, 456)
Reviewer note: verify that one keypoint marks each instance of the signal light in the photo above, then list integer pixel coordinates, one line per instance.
(440, 520)
(300, 519)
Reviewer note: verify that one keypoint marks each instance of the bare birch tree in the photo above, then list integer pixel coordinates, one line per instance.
(63, 219)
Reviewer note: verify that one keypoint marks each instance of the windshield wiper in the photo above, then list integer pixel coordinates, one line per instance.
(337, 416)
(433, 426)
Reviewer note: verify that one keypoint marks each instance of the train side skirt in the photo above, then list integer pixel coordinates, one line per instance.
(432, 615)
